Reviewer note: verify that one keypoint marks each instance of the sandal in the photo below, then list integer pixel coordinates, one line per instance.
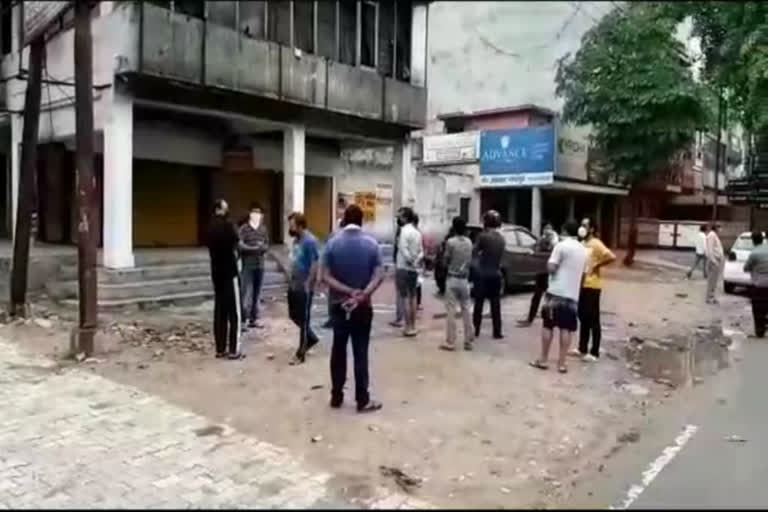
(447, 348)
(538, 364)
(236, 357)
(562, 369)
(296, 361)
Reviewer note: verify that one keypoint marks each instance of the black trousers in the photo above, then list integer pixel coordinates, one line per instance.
(299, 308)
(487, 287)
(589, 321)
(226, 315)
(759, 298)
(542, 282)
(357, 327)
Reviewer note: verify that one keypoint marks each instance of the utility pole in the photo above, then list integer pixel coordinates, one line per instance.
(86, 180)
(718, 150)
(27, 192)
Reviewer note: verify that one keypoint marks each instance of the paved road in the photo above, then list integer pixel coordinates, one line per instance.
(710, 471)
(72, 439)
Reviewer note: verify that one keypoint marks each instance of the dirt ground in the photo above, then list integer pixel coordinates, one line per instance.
(482, 429)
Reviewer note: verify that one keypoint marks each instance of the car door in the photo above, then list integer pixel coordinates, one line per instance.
(532, 262)
(513, 261)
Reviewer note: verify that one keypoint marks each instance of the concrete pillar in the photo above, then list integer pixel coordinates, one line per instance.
(571, 208)
(404, 179)
(536, 210)
(118, 182)
(599, 212)
(474, 207)
(294, 149)
(17, 124)
(511, 206)
(419, 45)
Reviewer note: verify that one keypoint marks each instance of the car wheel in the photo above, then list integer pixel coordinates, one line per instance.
(729, 288)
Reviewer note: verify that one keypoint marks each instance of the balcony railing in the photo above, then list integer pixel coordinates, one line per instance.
(187, 49)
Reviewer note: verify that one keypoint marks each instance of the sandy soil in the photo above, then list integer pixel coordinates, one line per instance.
(482, 429)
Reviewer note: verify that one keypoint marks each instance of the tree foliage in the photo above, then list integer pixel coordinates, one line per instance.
(631, 83)
(734, 42)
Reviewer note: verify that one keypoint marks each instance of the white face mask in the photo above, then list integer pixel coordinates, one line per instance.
(255, 219)
(582, 232)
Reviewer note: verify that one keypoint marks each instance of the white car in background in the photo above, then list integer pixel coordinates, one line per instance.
(734, 275)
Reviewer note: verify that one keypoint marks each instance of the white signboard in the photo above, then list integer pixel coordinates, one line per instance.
(451, 148)
(38, 16)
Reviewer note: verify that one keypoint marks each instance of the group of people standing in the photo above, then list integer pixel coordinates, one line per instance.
(350, 265)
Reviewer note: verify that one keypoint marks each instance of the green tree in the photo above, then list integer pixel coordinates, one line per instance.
(734, 43)
(630, 82)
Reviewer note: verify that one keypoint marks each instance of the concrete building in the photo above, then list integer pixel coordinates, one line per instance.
(194, 100)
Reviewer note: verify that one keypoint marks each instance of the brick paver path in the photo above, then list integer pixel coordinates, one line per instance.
(72, 439)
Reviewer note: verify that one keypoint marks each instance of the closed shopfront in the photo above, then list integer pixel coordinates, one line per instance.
(166, 203)
(318, 204)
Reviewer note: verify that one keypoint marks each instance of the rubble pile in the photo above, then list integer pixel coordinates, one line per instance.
(190, 337)
(680, 357)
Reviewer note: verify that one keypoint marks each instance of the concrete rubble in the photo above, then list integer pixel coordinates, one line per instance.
(678, 358)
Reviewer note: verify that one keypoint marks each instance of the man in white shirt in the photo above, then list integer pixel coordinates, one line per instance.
(701, 249)
(410, 253)
(566, 266)
(715, 262)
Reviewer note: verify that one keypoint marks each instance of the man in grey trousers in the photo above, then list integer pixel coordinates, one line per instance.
(457, 258)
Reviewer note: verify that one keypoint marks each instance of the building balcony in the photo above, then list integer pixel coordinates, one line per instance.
(188, 50)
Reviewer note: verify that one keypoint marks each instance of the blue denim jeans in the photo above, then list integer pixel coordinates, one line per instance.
(251, 278)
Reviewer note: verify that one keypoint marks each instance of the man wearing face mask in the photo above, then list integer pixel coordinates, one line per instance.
(598, 255)
(222, 241)
(254, 243)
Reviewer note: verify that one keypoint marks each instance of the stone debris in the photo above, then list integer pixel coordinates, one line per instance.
(190, 337)
(735, 439)
(43, 322)
(317, 439)
(404, 481)
(632, 436)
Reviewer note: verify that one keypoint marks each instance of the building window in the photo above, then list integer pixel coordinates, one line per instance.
(403, 49)
(279, 21)
(303, 26)
(6, 29)
(347, 31)
(369, 16)
(386, 39)
(193, 8)
(326, 29)
(223, 13)
(252, 18)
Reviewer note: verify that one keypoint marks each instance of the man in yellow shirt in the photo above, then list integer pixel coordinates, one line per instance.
(598, 255)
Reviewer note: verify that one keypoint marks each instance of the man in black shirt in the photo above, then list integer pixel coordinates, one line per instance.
(222, 241)
(489, 249)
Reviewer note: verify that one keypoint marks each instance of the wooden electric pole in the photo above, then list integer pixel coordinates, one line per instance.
(718, 151)
(87, 234)
(26, 186)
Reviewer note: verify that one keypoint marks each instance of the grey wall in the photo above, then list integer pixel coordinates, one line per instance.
(493, 54)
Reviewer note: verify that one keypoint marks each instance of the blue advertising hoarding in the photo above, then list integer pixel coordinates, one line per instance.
(517, 157)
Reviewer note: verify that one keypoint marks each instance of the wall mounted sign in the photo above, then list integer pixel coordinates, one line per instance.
(517, 157)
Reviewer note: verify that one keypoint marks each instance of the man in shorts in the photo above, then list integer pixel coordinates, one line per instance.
(566, 268)
(409, 256)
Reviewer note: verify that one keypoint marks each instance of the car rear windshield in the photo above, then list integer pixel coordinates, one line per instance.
(743, 243)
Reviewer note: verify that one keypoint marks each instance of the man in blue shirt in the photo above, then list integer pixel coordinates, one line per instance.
(301, 286)
(353, 269)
